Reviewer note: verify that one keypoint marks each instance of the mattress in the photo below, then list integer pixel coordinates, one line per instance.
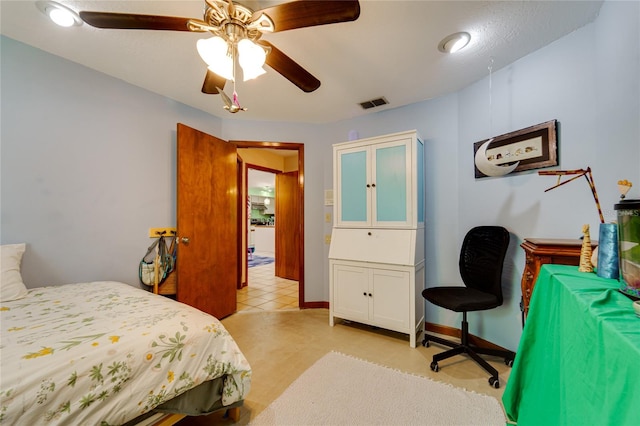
(106, 353)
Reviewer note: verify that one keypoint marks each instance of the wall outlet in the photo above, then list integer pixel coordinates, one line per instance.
(327, 217)
(327, 239)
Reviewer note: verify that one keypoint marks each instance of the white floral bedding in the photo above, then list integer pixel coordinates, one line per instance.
(105, 353)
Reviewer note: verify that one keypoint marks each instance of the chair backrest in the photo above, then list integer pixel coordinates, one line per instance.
(481, 258)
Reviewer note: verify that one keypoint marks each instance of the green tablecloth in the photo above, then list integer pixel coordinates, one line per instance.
(578, 362)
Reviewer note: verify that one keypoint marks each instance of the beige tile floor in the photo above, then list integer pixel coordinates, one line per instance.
(266, 292)
(280, 345)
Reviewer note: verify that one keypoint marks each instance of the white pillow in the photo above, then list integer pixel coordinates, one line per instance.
(11, 285)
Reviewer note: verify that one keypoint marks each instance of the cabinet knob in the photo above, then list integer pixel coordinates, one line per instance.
(373, 185)
(369, 233)
(368, 186)
(369, 294)
(364, 294)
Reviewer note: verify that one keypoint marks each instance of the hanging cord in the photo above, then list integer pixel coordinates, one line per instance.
(235, 94)
(490, 67)
(235, 100)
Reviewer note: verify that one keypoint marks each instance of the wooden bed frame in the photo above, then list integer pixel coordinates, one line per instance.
(169, 419)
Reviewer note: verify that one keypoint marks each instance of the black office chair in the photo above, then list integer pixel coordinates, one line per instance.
(481, 260)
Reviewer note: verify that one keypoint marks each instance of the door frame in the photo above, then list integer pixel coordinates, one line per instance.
(241, 205)
(245, 194)
(291, 146)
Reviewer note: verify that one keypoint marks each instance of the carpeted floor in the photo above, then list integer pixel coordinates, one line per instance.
(256, 260)
(340, 389)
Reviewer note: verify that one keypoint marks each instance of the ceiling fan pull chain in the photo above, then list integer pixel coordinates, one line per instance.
(235, 94)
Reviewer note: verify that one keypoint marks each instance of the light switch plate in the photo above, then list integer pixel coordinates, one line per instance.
(328, 197)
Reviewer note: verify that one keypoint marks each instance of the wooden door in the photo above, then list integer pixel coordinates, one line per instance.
(287, 226)
(207, 216)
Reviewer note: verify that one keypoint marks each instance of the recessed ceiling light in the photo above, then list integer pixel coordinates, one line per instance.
(58, 13)
(454, 42)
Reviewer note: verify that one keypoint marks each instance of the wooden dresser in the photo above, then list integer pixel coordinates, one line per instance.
(539, 251)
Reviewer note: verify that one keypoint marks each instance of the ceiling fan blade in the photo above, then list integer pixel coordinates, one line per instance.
(289, 69)
(309, 13)
(212, 82)
(129, 21)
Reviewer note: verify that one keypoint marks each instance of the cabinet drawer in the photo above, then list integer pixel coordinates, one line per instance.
(395, 247)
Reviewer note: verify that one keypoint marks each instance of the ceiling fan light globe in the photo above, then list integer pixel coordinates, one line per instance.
(223, 70)
(249, 73)
(213, 52)
(250, 54)
(251, 58)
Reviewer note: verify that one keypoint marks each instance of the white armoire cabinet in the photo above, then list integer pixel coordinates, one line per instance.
(376, 258)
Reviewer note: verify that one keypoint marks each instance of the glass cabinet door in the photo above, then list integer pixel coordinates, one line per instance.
(390, 197)
(391, 189)
(353, 191)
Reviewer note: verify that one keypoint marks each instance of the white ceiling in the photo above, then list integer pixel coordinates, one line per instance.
(261, 179)
(390, 51)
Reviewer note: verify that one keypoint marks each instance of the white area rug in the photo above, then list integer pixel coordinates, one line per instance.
(343, 390)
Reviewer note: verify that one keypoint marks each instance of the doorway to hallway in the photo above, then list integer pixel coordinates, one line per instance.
(279, 284)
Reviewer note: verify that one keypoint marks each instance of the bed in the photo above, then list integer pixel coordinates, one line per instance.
(109, 353)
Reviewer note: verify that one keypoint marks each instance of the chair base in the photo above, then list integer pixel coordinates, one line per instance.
(463, 347)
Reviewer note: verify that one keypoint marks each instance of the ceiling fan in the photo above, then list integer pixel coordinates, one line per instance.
(234, 23)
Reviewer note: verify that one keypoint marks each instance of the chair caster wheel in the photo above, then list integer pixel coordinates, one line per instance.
(509, 362)
(434, 367)
(493, 381)
(425, 343)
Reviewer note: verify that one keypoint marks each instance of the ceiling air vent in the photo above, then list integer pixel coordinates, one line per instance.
(373, 103)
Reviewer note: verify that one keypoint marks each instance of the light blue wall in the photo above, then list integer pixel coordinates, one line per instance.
(88, 162)
(590, 82)
(87, 166)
